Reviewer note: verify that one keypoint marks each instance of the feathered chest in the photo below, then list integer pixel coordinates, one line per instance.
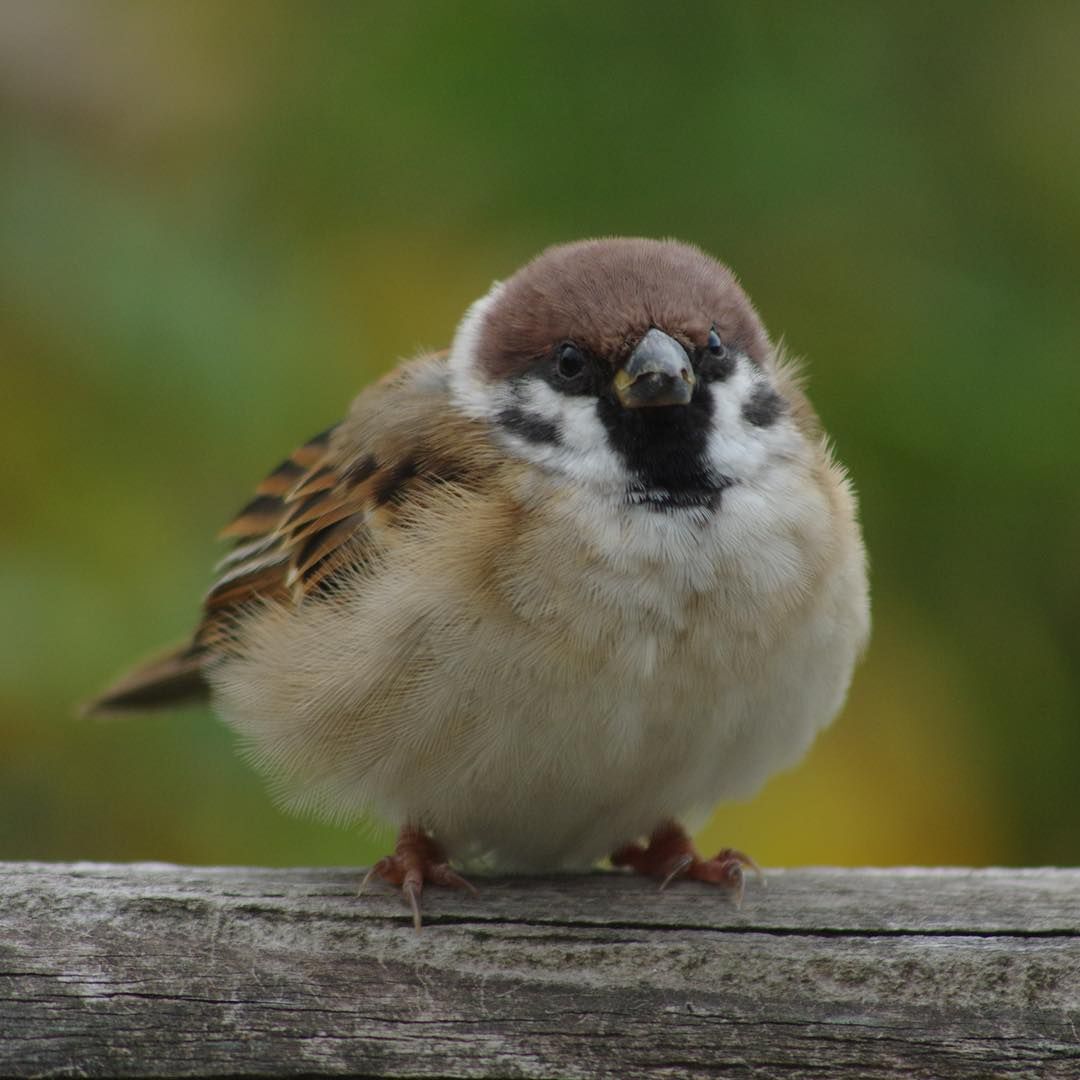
(620, 589)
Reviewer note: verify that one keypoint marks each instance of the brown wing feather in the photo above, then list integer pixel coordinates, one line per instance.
(323, 509)
(327, 506)
(270, 531)
(164, 681)
(264, 513)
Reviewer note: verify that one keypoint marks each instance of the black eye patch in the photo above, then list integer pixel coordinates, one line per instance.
(716, 366)
(569, 369)
(716, 361)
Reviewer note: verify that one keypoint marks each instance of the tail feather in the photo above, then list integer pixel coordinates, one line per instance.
(165, 681)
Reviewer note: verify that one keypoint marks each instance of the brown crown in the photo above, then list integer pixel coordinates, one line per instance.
(605, 294)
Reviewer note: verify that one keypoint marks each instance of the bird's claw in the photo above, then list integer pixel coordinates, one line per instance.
(671, 855)
(416, 859)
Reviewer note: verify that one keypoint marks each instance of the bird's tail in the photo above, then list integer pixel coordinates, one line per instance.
(165, 681)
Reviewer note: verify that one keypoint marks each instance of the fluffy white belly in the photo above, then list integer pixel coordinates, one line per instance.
(605, 761)
(542, 720)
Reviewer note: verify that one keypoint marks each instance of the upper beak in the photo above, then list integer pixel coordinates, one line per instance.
(658, 373)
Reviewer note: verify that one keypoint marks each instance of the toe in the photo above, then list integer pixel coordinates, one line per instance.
(444, 874)
(411, 891)
(679, 867)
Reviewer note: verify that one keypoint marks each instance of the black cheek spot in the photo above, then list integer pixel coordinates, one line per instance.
(764, 407)
(534, 429)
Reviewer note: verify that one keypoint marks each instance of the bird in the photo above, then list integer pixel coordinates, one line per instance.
(545, 596)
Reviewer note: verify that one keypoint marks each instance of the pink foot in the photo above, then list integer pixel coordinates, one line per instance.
(416, 859)
(670, 854)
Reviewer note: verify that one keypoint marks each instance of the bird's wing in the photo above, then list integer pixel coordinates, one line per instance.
(333, 504)
(331, 507)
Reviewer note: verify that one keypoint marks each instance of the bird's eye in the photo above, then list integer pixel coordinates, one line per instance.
(716, 361)
(569, 362)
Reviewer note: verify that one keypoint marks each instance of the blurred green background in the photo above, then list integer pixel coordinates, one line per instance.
(218, 221)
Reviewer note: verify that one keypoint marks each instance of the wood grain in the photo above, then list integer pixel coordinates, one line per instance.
(154, 970)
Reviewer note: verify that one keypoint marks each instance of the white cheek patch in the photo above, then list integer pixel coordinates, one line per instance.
(581, 452)
(579, 448)
(535, 397)
(737, 447)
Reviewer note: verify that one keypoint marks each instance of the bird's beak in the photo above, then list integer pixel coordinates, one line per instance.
(658, 373)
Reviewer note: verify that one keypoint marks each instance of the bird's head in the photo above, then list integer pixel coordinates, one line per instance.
(636, 367)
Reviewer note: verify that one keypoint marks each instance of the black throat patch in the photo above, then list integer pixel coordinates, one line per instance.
(666, 451)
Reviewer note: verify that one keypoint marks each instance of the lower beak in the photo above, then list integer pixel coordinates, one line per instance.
(658, 373)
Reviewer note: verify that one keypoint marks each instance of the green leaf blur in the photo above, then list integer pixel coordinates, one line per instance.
(219, 221)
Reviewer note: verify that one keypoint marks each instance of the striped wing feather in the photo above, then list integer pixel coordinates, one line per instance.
(319, 512)
(271, 558)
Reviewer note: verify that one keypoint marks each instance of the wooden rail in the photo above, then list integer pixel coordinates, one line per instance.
(152, 970)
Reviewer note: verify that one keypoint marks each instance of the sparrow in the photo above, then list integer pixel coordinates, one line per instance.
(537, 598)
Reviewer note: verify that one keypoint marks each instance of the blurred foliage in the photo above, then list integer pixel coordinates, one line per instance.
(218, 221)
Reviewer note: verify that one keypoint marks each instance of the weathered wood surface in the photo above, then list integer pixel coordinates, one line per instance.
(165, 970)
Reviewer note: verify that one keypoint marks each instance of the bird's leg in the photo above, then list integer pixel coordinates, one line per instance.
(670, 854)
(416, 859)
